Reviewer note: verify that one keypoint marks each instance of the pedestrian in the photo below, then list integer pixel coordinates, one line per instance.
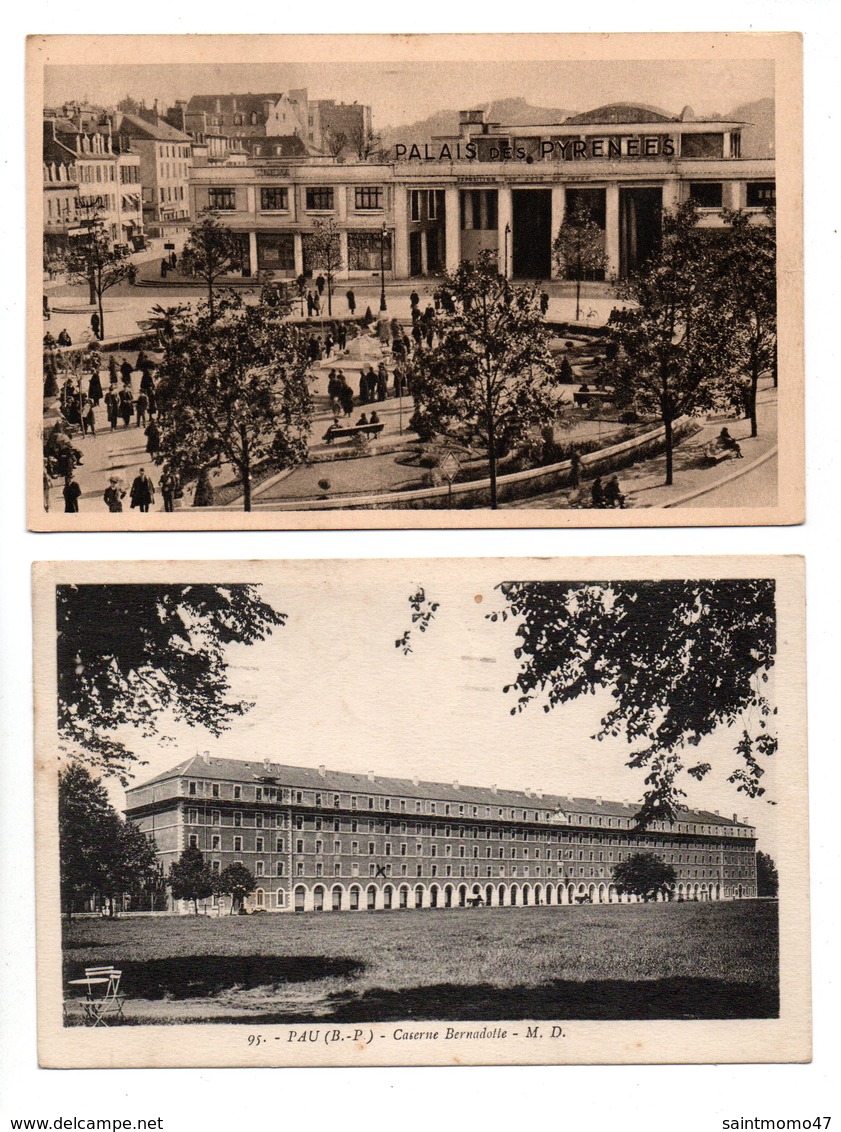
(414, 299)
(64, 338)
(597, 495)
(48, 487)
(169, 485)
(333, 391)
(112, 408)
(47, 315)
(114, 494)
(575, 469)
(351, 302)
(436, 299)
(140, 407)
(319, 282)
(613, 496)
(341, 336)
(146, 380)
(398, 381)
(132, 274)
(152, 395)
(173, 260)
(544, 302)
(95, 388)
(163, 269)
(88, 417)
(382, 382)
(417, 334)
(126, 406)
(363, 421)
(95, 325)
(328, 344)
(310, 304)
(153, 438)
(363, 387)
(142, 492)
(71, 493)
(346, 398)
(375, 417)
(126, 371)
(112, 370)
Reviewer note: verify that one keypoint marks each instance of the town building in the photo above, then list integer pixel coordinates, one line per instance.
(323, 840)
(61, 196)
(503, 189)
(107, 171)
(165, 157)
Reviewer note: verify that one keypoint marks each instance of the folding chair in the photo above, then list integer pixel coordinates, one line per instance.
(98, 1008)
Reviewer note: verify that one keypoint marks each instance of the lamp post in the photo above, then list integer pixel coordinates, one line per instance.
(383, 235)
(505, 235)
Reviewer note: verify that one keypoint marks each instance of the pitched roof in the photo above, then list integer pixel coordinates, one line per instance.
(616, 113)
(313, 778)
(136, 127)
(245, 103)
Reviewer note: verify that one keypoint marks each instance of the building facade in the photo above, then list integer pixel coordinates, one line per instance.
(491, 188)
(322, 840)
(165, 156)
(107, 172)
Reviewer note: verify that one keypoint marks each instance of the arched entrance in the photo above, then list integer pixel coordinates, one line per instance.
(372, 897)
(300, 897)
(489, 895)
(318, 899)
(419, 896)
(354, 898)
(526, 895)
(388, 895)
(433, 896)
(502, 893)
(514, 895)
(404, 896)
(448, 896)
(337, 898)
(462, 895)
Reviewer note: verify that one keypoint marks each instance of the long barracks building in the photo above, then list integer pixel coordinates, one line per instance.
(322, 840)
(505, 189)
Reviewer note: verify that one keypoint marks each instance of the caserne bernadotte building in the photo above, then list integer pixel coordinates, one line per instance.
(502, 188)
(319, 840)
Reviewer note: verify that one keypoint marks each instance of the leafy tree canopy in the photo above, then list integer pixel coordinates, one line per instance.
(492, 378)
(191, 878)
(210, 251)
(100, 853)
(679, 659)
(767, 879)
(128, 653)
(645, 875)
(235, 387)
(235, 881)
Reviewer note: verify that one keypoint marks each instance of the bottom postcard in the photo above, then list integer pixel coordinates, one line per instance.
(421, 812)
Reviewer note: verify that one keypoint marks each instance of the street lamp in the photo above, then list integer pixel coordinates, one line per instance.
(383, 236)
(505, 235)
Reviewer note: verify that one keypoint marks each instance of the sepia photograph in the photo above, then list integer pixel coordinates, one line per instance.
(435, 281)
(421, 812)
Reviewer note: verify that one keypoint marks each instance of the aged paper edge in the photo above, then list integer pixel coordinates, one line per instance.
(783, 1039)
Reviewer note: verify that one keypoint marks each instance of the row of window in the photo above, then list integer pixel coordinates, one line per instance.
(710, 194)
(173, 170)
(171, 193)
(318, 198)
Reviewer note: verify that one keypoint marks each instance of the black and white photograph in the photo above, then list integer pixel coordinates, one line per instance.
(443, 281)
(383, 813)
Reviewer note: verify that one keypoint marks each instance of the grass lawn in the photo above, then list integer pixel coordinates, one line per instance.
(587, 962)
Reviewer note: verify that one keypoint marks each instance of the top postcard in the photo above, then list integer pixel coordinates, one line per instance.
(414, 281)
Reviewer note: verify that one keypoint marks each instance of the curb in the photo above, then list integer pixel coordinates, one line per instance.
(720, 483)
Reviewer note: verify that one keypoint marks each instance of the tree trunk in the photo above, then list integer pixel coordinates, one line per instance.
(101, 318)
(669, 451)
(577, 298)
(210, 299)
(246, 491)
(754, 387)
(492, 466)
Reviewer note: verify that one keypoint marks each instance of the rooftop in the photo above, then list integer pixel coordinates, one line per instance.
(318, 778)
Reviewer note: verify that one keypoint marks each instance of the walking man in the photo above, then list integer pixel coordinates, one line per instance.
(142, 492)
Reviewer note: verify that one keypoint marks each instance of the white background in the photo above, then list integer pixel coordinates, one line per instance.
(649, 1098)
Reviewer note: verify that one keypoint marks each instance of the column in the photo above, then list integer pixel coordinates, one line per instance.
(400, 241)
(298, 244)
(452, 229)
(671, 194)
(558, 210)
(340, 200)
(504, 219)
(611, 234)
(252, 252)
(423, 252)
(343, 256)
(250, 200)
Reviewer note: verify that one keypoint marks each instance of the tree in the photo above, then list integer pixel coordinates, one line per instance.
(191, 878)
(100, 854)
(767, 879)
(209, 252)
(679, 658)
(492, 377)
(645, 875)
(235, 881)
(127, 654)
(578, 249)
(128, 105)
(236, 388)
(747, 276)
(324, 253)
(673, 343)
(364, 141)
(336, 141)
(92, 259)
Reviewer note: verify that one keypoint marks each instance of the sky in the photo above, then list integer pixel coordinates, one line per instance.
(405, 92)
(331, 688)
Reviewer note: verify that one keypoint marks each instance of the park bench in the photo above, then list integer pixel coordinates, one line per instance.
(584, 399)
(714, 453)
(342, 432)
